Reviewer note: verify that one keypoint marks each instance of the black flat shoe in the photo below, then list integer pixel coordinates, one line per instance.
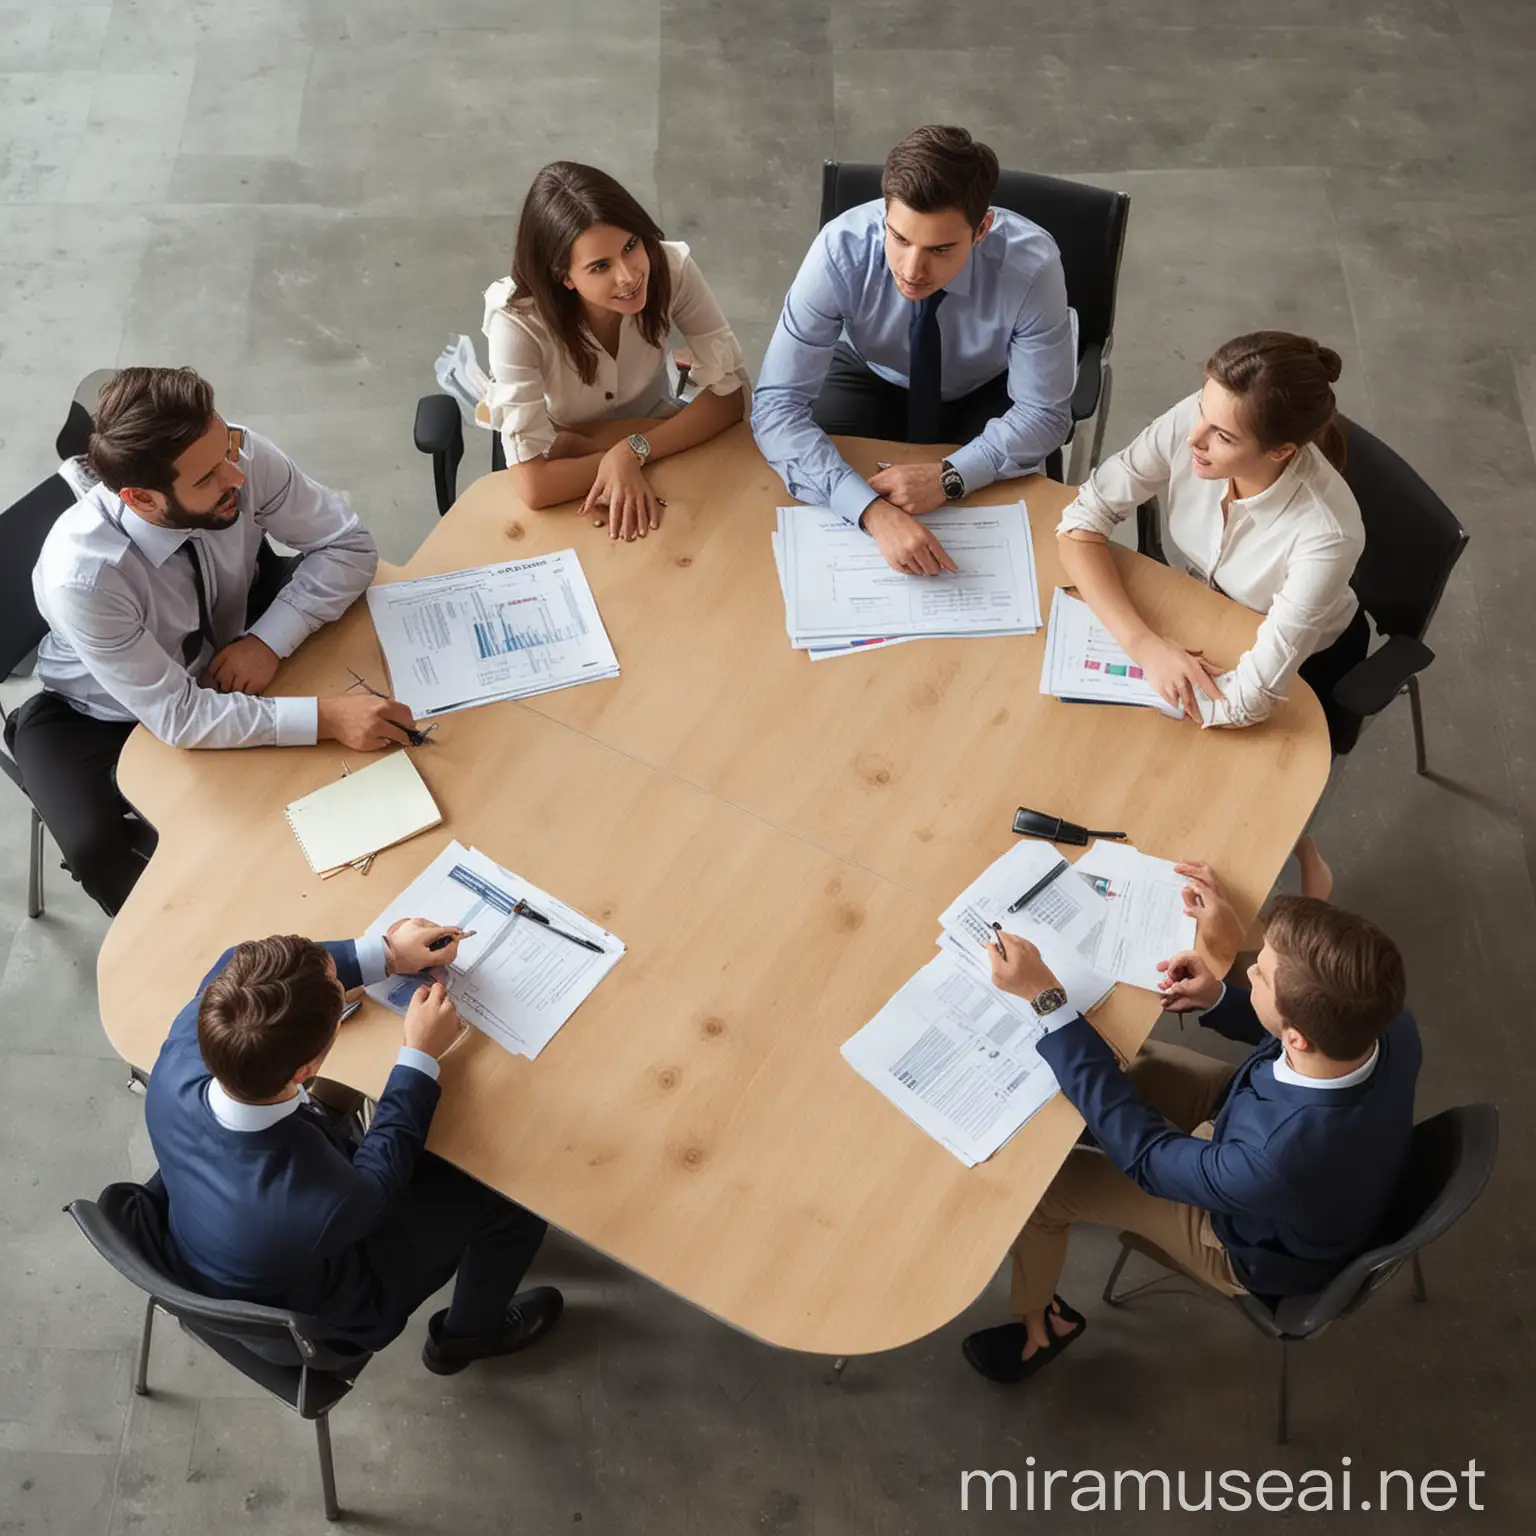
(998, 1353)
(530, 1315)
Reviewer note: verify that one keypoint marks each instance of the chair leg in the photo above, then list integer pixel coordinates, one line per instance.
(35, 873)
(1101, 418)
(1419, 1291)
(141, 1376)
(1114, 1274)
(1284, 1435)
(327, 1469)
(1420, 761)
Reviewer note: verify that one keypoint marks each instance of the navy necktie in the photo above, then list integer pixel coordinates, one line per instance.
(925, 375)
(193, 644)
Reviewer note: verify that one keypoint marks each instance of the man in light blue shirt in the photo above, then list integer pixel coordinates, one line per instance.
(925, 316)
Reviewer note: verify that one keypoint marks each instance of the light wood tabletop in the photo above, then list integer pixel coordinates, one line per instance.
(774, 840)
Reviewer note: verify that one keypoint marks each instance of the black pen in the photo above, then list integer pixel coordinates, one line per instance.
(443, 940)
(522, 909)
(1039, 886)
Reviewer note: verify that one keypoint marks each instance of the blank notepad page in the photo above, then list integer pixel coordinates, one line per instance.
(372, 809)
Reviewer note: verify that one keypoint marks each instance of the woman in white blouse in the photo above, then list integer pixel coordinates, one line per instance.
(581, 391)
(1247, 472)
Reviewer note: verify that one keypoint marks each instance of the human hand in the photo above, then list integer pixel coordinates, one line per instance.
(1018, 968)
(1177, 674)
(432, 1023)
(1188, 983)
(906, 544)
(363, 722)
(408, 945)
(1205, 900)
(915, 488)
(633, 507)
(246, 665)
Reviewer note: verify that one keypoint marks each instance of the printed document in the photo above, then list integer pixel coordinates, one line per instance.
(957, 1057)
(1146, 920)
(837, 586)
(491, 633)
(1084, 664)
(515, 980)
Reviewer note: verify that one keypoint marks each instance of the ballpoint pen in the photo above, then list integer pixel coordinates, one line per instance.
(1039, 885)
(416, 738)
(522, 909)
(443, 940)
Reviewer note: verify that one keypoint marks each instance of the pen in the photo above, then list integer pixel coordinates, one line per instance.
(522, 909)
(349, 1010)
(1039, 886)
(444, 940)
(997, 928)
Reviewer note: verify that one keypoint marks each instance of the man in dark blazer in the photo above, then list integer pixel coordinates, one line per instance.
(271, 1201)
(1268, 1178)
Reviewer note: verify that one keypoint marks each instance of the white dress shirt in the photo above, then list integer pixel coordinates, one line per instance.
(1287, 553)
(119, 604)
(236, 1115)
(535, 391)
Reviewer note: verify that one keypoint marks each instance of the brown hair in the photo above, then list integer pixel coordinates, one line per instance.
(934, 168)
(274, 1007)
(1286, 385)
(1338, 978)
(146, 419)
(565, 199)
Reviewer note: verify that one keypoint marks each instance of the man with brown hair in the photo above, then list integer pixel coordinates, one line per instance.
(1268, 1178)
(926, 316)
(267, 1199)
(167, 606)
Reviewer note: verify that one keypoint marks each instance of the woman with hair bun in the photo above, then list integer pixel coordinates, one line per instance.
(1247, 472)
(581, 392)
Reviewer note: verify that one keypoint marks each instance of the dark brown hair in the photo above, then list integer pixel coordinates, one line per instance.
(274, 1007)
(145, 420)
(1286, 385)
(934, 168)
(1338, 978)
(565, 199)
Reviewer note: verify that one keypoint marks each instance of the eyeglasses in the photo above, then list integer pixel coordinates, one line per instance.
(422, 738)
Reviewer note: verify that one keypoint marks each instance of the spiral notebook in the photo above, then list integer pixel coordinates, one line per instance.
(362, 813)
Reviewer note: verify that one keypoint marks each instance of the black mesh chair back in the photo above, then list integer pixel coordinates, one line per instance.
(282, 1351)
(1412, 539)
(1087, 224)
(23, 527)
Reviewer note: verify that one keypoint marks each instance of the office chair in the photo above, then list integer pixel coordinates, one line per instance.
(1412, 543)
(279, 1351)
(1449, 1161)
(1088, 226)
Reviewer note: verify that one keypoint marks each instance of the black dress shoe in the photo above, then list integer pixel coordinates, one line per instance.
(998, 1353)
(530, 1315)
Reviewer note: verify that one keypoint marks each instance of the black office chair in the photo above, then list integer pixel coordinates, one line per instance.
(1412, 543)
(1087, 224)
(1449, 1161)
(23, 527)
(280, 1351)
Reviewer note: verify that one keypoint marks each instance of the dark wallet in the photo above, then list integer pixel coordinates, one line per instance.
(1053, 829)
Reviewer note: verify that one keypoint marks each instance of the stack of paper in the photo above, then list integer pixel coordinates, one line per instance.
(1084, 665)
(491, 633)
(516, 980)
(363, 813)
(840, 596)
(1146, 919)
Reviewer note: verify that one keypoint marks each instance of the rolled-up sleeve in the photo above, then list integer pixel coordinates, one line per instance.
(1303, 610)
(794, 369)
(516, 401)
(1042, 369)
(718, 364)
(1126, 479)
(339, 555)
(105, 626)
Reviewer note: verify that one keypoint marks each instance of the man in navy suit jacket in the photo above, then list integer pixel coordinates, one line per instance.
(271, 1201)
(1269, 1178)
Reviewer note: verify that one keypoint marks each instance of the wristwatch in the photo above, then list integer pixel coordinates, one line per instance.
(1048, 1001)
(949, 478)
(640, 445)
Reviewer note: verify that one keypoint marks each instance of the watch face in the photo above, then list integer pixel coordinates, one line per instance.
(1049, 1001)
(640, 445)
(954, 486)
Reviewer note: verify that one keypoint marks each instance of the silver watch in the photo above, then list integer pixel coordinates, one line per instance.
(1048, 1001)
(640, 444)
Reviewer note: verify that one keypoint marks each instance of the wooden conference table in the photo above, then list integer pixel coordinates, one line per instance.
(774, 840)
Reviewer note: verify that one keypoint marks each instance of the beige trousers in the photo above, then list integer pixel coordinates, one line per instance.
(1184, 1087)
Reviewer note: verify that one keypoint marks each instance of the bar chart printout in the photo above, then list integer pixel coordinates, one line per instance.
(490, 633)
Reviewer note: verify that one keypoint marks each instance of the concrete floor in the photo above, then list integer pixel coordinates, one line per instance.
(306, 199)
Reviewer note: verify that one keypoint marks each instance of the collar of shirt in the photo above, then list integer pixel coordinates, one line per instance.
(234, 1115)
(1273, 499)
(1286, 1073)
(155, 543)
